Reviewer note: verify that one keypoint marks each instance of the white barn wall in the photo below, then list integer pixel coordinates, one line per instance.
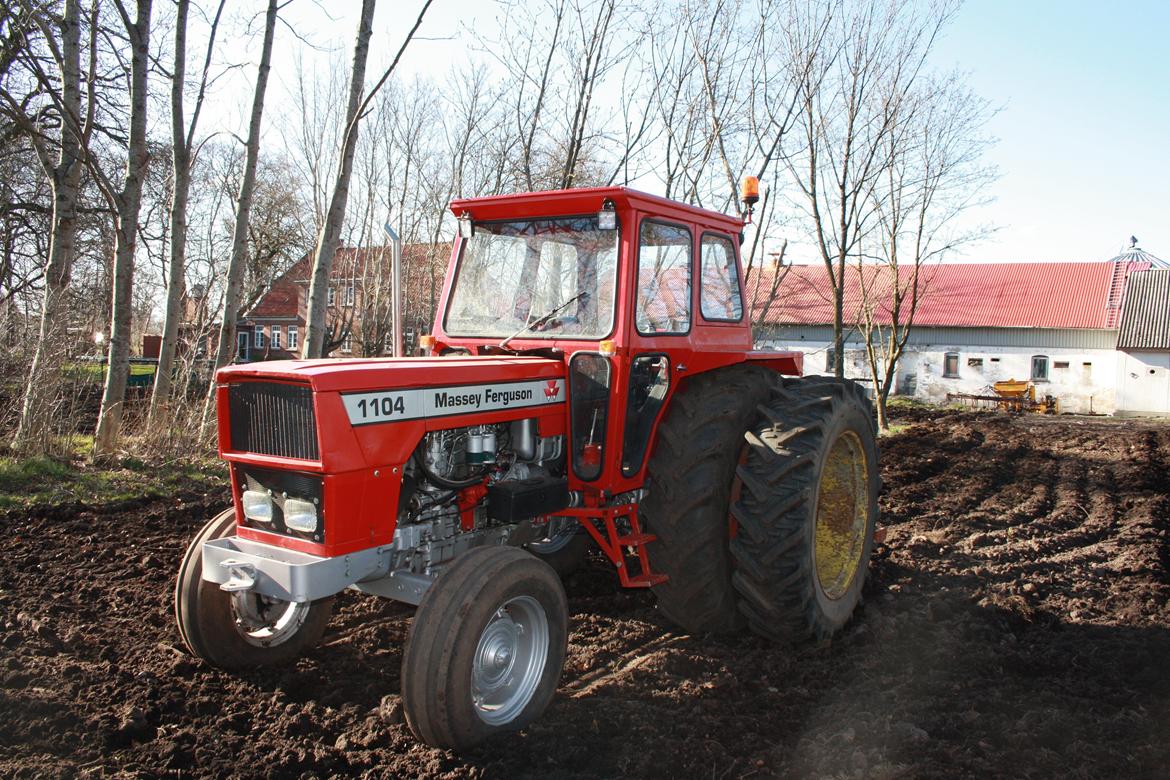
(1143, 382)
(1080, 388)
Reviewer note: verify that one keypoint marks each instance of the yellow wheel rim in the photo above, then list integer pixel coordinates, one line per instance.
(842, 515)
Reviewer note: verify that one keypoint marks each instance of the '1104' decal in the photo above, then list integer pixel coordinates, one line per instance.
(397, 405)
(386, 406)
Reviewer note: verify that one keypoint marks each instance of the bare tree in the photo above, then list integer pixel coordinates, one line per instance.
(127, 202)
(64, 175)
(875, 53)
(226, 348)
(330, 236)
(935, 175)
(182, 148)
(763, 286)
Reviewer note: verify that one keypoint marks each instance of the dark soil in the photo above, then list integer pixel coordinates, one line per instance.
(1015, 624)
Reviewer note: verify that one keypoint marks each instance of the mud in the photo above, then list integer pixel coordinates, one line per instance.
(1015, 623)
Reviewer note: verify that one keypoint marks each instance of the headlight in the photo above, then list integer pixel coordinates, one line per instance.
(257, 506)
(300, 515)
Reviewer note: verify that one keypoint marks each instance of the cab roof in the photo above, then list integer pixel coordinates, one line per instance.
(528, 205)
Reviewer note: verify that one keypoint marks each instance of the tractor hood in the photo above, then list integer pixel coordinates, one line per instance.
(366, 374)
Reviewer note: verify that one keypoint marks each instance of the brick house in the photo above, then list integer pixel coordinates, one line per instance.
(359, 315)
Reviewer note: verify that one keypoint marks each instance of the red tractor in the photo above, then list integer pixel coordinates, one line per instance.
(590, 380)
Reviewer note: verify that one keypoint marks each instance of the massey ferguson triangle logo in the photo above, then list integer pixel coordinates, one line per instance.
(552, 390)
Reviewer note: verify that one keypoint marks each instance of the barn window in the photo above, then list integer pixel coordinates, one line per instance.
(831, 359)
(1060, 364)
(1039, 368)
(951, 364)
(976, 363)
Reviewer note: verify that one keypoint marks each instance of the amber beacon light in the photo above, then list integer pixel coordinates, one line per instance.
(750, 193)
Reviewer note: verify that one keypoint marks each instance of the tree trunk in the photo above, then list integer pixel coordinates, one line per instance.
(44, 374)
(181, 165)
(126, 233)
(335, 216)
(839, 321)
(235, 273)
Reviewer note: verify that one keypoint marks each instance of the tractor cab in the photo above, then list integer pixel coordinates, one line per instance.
(558, 272)
(633, 292)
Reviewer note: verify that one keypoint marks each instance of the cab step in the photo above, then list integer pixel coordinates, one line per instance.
(601, 522)
(636, 540)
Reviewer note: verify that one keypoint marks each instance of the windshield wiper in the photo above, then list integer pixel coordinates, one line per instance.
(543, 318)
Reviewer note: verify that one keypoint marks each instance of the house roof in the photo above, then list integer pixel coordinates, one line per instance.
(282, 298)
(989, 295)
(1145, 320)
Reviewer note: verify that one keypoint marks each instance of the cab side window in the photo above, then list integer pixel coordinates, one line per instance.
(719, 297)
(664, 279)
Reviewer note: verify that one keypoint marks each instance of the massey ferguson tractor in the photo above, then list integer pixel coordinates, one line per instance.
(590, 381)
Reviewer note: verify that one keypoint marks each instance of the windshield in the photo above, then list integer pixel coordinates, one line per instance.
(512, 274)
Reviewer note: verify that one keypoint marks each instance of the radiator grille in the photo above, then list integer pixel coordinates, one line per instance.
(270, 418)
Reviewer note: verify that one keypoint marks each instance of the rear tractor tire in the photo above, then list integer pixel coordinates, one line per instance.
(486, 648)
(807, 510)
(691, 470)
(240, 630)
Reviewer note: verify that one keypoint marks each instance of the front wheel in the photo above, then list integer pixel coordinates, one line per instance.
(486, 648)
(807, 509)
(242, 629)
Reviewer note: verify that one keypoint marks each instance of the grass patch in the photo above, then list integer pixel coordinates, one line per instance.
(26, 482)
(96, 372)
(895, 402)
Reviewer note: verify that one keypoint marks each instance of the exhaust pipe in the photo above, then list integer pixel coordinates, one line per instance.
(396, 276)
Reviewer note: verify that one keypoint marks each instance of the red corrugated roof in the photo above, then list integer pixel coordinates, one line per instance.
(989, 295)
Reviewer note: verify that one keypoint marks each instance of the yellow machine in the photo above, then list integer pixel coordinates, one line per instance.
(1012, 395)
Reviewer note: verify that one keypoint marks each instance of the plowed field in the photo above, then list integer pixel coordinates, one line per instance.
(1015, 623)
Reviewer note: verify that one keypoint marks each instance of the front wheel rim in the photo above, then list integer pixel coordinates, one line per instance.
(842, 515)
(509, 660)
(267, 622)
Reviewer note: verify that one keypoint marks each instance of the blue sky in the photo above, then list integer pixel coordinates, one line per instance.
(1083, 88)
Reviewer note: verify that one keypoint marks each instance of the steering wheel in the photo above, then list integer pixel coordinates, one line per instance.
(559, 322)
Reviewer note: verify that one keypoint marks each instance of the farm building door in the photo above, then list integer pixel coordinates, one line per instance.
(1144, 384)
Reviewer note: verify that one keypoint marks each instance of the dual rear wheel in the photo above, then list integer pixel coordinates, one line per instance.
(764, 503)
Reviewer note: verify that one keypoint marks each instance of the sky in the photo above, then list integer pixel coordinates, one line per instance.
(1084, 93)
(1082, 88)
